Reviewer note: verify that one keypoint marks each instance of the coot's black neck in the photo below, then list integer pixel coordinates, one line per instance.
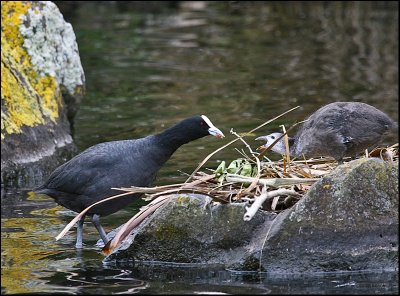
(174, 137)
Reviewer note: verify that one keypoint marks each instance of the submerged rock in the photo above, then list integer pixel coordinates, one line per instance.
(348, 220)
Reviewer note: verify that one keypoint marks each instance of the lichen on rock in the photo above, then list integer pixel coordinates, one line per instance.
(51, 44)
(40, 69)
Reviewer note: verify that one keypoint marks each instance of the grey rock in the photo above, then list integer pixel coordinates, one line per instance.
(36, 140)
(347, 221)
(191, 229)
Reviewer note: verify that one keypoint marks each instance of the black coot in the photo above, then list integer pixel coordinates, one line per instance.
(90, 175)
(338, 129)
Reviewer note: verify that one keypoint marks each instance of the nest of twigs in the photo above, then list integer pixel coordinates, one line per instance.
(285, 181)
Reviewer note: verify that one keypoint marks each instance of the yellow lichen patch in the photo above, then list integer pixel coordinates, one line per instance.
(20, 111)
(10, 21)
(79, 90)
(27, 98)
(47, 88)
(11, 12)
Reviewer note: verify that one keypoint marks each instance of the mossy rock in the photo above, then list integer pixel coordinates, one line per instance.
(192, 229)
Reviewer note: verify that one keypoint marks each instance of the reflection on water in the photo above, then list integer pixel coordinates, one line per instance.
(240, 64)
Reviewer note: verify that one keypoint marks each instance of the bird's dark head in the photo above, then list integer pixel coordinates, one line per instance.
(206, 125)
(199, 126)
(188, 130)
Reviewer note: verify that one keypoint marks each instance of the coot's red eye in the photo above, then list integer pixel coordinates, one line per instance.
(202, 122)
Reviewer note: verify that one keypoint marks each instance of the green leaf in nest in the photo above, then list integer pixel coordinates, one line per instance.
(240, 166)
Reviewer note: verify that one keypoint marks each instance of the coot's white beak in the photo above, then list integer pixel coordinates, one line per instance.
(215, 132)
(212, 129)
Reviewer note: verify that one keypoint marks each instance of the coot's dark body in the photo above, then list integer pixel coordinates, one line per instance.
(338, 130)
(89, 176)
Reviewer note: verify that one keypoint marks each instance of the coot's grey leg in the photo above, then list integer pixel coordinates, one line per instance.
(79, 233)
(96, 222)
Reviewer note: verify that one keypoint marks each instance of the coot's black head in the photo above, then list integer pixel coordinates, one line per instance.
(199, 126)
(187, 130)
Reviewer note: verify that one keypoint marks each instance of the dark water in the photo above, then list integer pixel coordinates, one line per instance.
(148, 66)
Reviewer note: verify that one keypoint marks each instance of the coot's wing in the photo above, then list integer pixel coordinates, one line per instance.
(93, 166)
